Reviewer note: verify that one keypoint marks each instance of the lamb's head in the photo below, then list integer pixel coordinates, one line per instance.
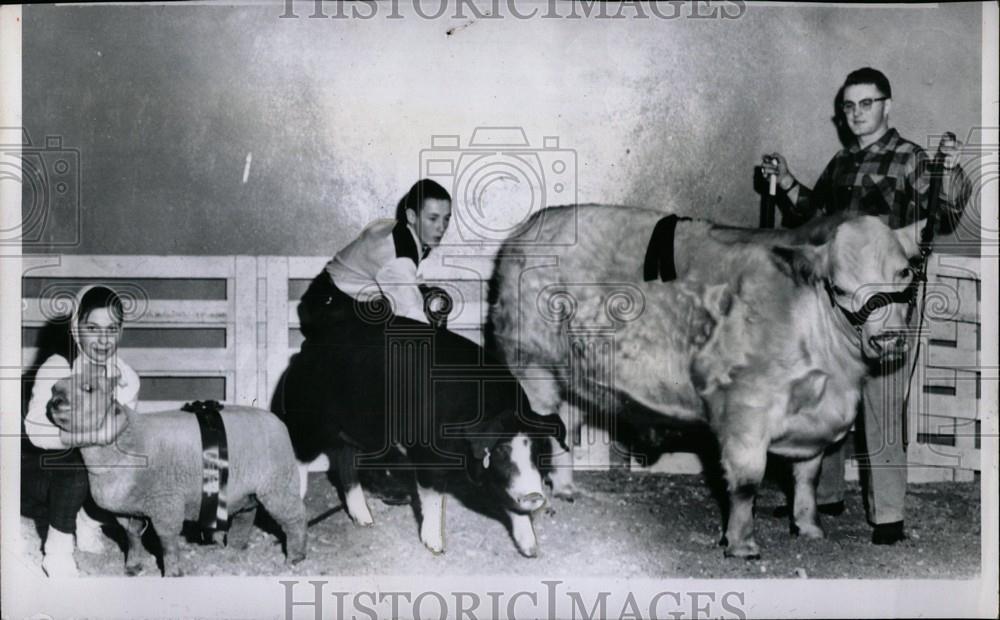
(83, 403)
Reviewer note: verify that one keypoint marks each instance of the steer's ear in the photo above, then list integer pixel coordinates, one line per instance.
(805, 264)
(909, 237)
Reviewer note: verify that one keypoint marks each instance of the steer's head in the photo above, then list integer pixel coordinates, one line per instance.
(504, 454)
(864, 269)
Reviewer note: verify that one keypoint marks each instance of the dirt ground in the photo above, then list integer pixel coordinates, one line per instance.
(625, 525)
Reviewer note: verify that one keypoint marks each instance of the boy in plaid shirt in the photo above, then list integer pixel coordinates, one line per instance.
(882, 174)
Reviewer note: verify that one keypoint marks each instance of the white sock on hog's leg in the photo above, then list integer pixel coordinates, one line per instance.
(357, 507)
(58, 561)
(432, 522)
(524, 534)
(89, 536)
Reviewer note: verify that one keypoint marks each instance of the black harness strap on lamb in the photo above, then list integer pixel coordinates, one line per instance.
(660, 251)
(214, 513)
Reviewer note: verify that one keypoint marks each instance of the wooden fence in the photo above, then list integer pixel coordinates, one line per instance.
(224, 327)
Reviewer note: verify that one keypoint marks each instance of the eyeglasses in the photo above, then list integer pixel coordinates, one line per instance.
(864, 105)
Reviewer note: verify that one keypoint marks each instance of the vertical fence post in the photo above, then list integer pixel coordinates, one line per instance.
(276, 304)
(244, 304)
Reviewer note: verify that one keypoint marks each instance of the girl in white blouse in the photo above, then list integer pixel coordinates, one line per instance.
(55, 487)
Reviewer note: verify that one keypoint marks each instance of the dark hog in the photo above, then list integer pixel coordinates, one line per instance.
(440, 401)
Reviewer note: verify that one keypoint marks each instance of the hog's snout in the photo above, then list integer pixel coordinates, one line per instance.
(531, 502)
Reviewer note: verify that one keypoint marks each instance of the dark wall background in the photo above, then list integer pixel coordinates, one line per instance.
(164, 104)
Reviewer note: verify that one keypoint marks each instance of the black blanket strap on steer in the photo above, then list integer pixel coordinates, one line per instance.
(214, 513)
(659, 261)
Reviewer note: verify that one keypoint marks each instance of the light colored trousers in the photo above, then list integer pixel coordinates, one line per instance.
(880, 424)
(883, 460)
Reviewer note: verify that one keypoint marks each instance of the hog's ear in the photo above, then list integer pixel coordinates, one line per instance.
(478, 460)
(479, 447)
(909, 237)
(806, 264)
(480, 440)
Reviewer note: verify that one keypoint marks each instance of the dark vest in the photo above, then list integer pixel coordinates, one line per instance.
(406, 246)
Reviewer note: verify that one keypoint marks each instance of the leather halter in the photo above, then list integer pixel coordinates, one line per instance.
(875, 301)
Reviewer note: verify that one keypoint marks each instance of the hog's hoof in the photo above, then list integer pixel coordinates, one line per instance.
(747, 551)
(435, 547)
(566, 492)
(432, 535)
(357, 509)
(295, 558)
(807, 530)
(363, 520)
(530, 551)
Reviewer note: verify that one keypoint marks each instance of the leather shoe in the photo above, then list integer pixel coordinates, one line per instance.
(833, 509)
(888, 533)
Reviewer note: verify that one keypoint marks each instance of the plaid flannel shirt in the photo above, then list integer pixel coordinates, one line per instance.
(889, 179)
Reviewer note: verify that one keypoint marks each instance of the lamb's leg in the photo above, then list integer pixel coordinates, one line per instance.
(303, 478)
(240, 526)
(167, 524)
(431, 514)
(804, 520)
(286, 507)
(354, 495)
(136, 556)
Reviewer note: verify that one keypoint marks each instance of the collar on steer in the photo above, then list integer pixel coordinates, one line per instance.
(875, 301)
(214, 514)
